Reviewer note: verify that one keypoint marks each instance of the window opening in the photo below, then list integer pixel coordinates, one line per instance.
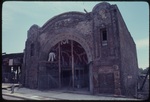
(32, 50)
(104, 36)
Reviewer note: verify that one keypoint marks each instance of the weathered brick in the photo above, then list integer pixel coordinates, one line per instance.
(107, 43)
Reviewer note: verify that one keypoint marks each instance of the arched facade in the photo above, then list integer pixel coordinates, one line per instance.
(101, 34)
(61, 37)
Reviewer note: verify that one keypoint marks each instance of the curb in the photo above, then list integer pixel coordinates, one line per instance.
(16, 96)
(25, 98)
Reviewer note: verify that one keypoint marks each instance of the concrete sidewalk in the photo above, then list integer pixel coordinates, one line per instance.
(31, 94)
(25, 96)
(9, 85)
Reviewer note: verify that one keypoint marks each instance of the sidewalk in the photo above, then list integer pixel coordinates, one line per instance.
(31, 94)
(25, 96)
(8, 85)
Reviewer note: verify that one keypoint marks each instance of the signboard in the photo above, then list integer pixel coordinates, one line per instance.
(16, 61)
(10, 62)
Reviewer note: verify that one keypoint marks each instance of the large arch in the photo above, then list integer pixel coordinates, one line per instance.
(76, 16)
(70, 36)
(59, 37)
(56, 32)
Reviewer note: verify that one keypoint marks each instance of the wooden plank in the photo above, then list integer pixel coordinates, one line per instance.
(91, 78)
(72, 56)
(59, 68)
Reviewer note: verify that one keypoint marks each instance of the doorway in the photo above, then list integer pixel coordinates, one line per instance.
(71, 62)
(106, 83)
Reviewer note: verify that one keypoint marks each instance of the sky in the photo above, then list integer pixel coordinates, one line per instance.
(18, 17)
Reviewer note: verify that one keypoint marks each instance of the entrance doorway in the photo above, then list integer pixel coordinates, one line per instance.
(71, 61)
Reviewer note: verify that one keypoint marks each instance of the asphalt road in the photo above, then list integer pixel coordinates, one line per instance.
(6, 97)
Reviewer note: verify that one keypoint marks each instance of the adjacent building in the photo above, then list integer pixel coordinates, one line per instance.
(11, 67)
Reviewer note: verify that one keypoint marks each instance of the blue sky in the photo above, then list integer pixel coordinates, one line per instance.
(18, 17)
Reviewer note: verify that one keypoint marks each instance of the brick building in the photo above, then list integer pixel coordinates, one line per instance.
(11, 67)
(93, 51)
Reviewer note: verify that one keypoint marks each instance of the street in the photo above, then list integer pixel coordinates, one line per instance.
(6, 97)
(32, 94)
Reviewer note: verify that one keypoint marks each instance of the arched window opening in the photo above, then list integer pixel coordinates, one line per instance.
(104, 37)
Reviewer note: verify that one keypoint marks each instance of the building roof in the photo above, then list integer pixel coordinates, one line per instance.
(13, 55)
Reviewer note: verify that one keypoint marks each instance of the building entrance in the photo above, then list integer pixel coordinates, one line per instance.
(70, 60)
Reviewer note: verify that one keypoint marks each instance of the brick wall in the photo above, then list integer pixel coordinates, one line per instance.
(128, 57)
